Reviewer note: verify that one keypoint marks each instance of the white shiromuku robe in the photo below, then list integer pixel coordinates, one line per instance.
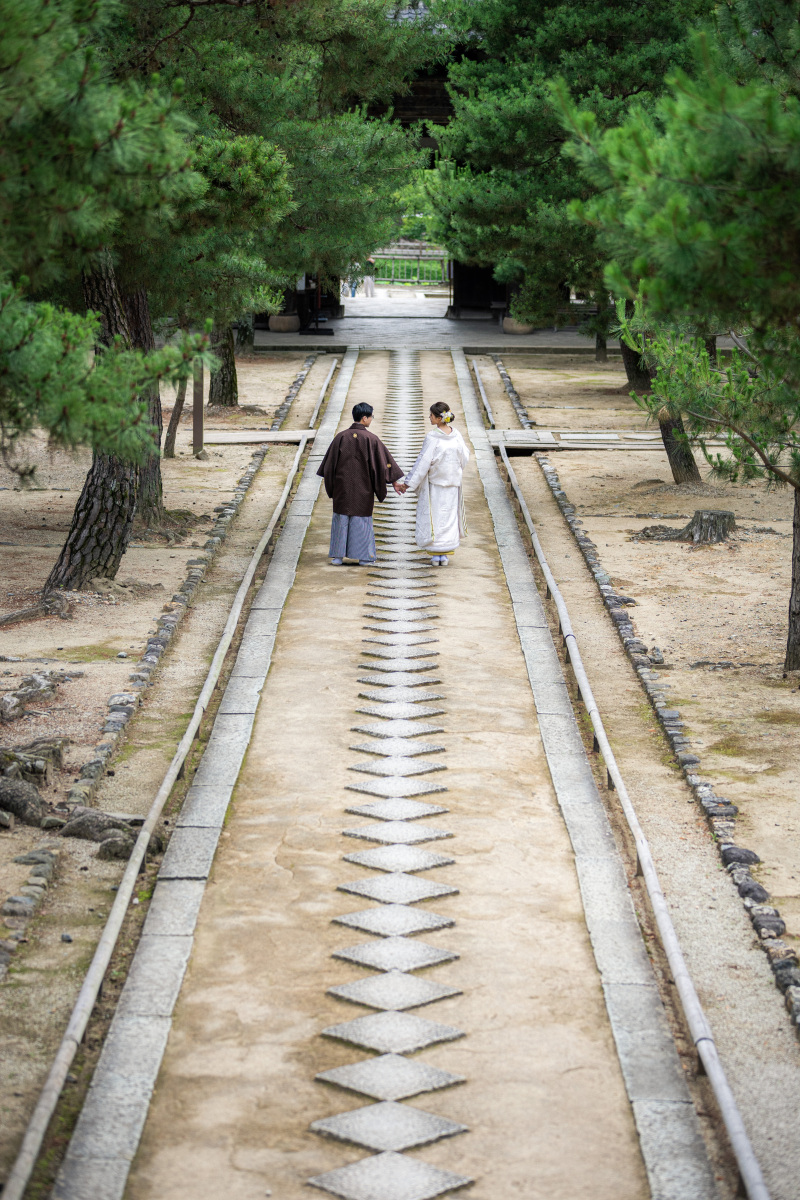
(436, 477)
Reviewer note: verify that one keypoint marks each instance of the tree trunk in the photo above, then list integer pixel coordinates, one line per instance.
(600, 348)
(679, 452)
(175, 420)
(711, 349)
(150, 495)
(103, 517)
(224, 388)
(636, 370)
(792, 661)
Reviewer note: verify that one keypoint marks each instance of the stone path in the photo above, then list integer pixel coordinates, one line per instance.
(402, 688)
(390, 989)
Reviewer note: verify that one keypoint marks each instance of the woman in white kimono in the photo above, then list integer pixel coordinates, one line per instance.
(436, 477)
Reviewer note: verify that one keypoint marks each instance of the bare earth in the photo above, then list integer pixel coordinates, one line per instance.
(45, 973)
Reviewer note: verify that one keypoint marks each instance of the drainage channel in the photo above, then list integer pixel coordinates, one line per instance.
(750, 1173)
(666, 1122)
(399, 693)
(109, 1128)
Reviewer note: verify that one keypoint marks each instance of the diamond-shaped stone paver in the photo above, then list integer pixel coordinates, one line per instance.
(399, 858)
(397, 564)
(393, 1032)
(400, 603)
(395, 678)
(393, 920)
(388, 1176)
(398, 583)
(402, 565)
(398, 663)
(402, 627)
(393, 991)
(395, 711)
(400, 766)
(397, 808)
(397, 888)
(402, 616)
(390, 1077)
(400, 640)
(395, 954)
(389, 652)
(398, 693)
(397, 747)
(387, 1126)
(397, 833)
(397, 787)
(397, 729)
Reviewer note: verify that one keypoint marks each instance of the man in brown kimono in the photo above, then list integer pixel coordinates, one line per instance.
(356, 468)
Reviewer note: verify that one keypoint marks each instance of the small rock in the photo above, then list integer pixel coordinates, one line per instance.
(23, 800)
(752, 890)
(52, 822)
(122, 654)
(737, 854)
(115, 845)
(6, 820)
(92, 825)
(769, 927)
(66, 937)
(17, 906)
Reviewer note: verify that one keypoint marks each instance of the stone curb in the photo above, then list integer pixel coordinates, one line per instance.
(17, 910)
(283, 411)
(105, 1139)
(672, 1147)
(122, 705)
(513, 394)
(720, 812)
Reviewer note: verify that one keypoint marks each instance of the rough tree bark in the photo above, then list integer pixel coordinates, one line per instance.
(638, 375)
(706, 526)
(792, 660)
(175, 420)
(600, 348)
(103, 517)
(224, 387)
(150, 495)
(679, 452)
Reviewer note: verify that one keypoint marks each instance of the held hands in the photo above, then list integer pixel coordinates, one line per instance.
(400, 488)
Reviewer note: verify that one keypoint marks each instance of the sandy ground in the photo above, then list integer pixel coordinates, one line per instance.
(544, 1100)
(38, 994)
(717, 603)
(724, 604)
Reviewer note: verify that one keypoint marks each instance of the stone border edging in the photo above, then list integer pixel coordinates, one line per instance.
(671, 1144)
(282, 411)
(122, 705)
(720, 812)
(513, 395)
(111, 1122)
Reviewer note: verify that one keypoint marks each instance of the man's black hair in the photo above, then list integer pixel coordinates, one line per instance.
(361, 410)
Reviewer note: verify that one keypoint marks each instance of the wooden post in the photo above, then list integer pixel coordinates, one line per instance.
(197, 409)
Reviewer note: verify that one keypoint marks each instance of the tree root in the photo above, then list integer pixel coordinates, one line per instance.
(50, 605)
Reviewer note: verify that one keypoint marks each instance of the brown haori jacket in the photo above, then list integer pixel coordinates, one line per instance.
(356, 468)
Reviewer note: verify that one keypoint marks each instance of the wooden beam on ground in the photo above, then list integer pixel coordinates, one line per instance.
(255, 437)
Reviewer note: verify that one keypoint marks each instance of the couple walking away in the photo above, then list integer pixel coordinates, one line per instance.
(357, 467)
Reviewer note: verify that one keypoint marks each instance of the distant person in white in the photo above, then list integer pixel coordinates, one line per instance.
(436, 477)
(369, 278)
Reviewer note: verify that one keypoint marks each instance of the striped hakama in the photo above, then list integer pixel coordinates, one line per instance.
(352, 537)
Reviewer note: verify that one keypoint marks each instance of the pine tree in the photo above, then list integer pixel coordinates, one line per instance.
(504, 190)
(78, 158)
(695, 205)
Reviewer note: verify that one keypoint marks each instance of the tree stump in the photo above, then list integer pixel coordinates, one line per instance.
(708, 525)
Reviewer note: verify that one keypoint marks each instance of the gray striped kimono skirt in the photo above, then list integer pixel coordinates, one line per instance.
(352, 537)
